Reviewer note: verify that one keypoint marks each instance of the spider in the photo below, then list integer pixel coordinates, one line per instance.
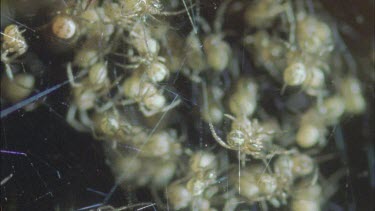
(164, 145)
(153, 66)
(85, 94)
(352, 93)
(288, 168)
(250, 138)
(150, 99)
(314, 122)
(132, 9)
(19, 88)
(314, 36)
(269, 51)
(141, 39)
(307, 196)
(64, 27)
(83, 100)
(243, 101)
(111, 125)
(217, 51)
(259, 184)
(97, 77)
(213, 108)
(13, 46)
(262, 13)
(198, 187)
(306, 70)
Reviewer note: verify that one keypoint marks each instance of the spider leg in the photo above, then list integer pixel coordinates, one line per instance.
(219, 19)
(84, 118)
(161, 59)
(218, 139)
(230, 117)
(70, 119)
(71, 76)
(127, 102)
(147, 112)
(128, 66)
(292, 20)
(104, 107)
(172, 105)
(8, 71)
(191, 75)
(280, 151)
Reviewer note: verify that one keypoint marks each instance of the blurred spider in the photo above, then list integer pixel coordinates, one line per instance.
(150, 99)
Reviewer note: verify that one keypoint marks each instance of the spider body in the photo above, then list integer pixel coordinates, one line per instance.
(248, 137)
(19, 88)
(64, 27)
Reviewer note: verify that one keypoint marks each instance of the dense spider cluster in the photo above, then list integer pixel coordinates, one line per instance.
(131, 60)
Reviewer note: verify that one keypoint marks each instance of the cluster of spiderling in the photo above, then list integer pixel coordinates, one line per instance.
(127, 57)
